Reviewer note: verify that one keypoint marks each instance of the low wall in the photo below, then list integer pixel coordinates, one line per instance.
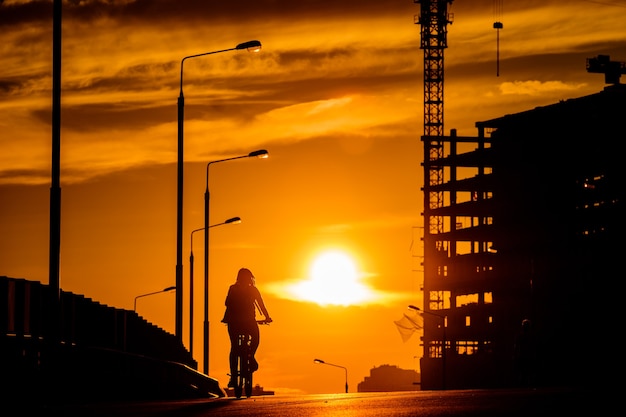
(88, 350)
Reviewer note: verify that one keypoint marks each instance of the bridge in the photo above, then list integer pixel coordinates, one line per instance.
(72, 348)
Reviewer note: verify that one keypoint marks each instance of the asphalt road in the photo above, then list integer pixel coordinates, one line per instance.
(470, 403)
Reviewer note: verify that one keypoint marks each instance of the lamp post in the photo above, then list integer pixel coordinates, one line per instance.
(338, 366)
(443, 342)
(250, 46)
(232, 220)
(152, 293)
(261, 153)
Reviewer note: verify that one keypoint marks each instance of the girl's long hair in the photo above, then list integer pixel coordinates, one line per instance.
(245, 277)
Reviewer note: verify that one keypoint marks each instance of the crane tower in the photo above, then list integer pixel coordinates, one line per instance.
(433, 19)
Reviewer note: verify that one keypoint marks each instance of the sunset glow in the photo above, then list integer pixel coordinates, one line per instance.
(333, 280)
(331, 223)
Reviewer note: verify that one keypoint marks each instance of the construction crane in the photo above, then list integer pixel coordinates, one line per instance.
(612, 70)
(433, 20)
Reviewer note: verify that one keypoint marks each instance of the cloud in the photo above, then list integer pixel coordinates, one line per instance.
(310, 291)
(328, 69)
(536, 88)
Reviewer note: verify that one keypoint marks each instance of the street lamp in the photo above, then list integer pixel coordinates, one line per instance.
(262, 154)
(152, 293)
(443, 342)
(250, 46)
(338, 366)
(232, 220)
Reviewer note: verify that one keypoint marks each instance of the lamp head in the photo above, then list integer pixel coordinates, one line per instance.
(235, 220)
(261, 153)
(412, 307)
(251, 46)
(318, 361)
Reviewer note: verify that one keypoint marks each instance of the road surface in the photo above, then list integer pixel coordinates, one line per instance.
(466, 403)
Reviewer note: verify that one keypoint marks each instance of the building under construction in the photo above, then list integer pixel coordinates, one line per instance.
(523, 248)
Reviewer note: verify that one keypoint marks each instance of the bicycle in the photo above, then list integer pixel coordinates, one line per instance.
(245, 367)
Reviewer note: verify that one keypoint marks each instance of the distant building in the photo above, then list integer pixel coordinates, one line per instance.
(390, 378)
(524, 247)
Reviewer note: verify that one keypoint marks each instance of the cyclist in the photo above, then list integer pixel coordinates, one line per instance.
(241, 302)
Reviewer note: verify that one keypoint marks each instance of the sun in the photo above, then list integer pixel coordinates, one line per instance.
(333, 280)
(333, 267)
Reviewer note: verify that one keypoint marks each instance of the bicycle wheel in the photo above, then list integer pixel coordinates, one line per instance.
(238, 388)
(241, 365)
(244, 370)
(248, 381)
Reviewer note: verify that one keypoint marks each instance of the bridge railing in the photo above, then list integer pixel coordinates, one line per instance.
(25, 315)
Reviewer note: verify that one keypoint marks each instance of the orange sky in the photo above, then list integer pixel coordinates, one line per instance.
(335, 96)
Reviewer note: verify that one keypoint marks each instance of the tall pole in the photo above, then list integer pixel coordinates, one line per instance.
(191, 259)
(55, 187)
(262, 153)
(250, 45)
(191, 294)
(205, 358)
(178, 325)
